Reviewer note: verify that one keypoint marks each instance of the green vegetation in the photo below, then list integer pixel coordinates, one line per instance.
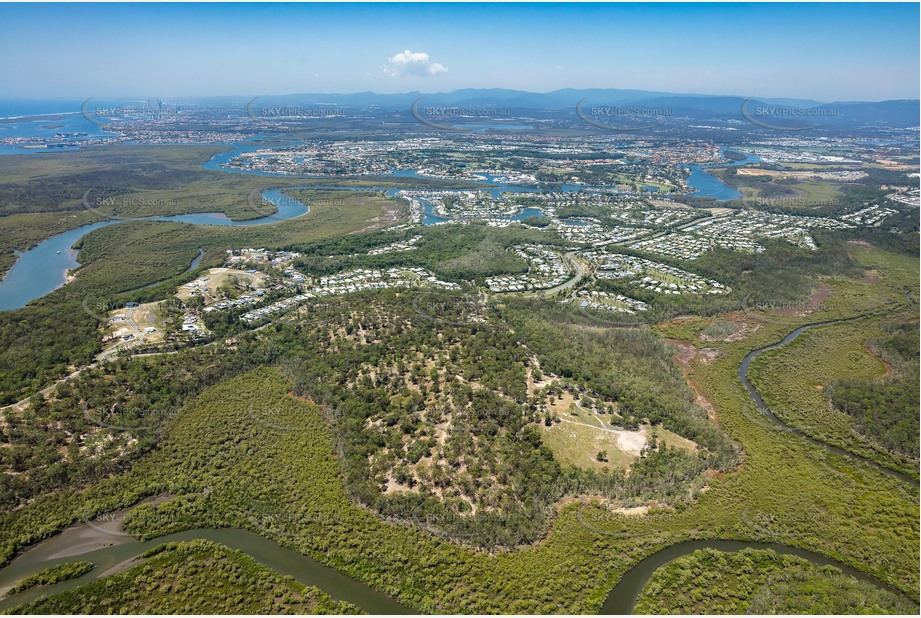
(801, 380)
(53, 575)
(99, 423)
(395, 435)
(886, 411)
(800, 591)
(39, 342)
(754, 581)
(536, 221)
(66, 177)
(44, 194)
(418, 433)
(818, 192)
(453, 252)
(6, 262)
(197, 577)
(246, 446)
(793, 380)
(629, 367)
(222, 458)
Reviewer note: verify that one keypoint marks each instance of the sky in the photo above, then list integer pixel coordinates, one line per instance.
(827, 52)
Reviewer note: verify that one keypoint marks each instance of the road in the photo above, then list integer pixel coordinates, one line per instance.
(575, 265)
(580, 271)
(100, 358)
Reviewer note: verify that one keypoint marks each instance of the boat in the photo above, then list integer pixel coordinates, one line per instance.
(58, 251)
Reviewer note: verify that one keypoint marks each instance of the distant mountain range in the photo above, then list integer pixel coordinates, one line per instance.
(901, 113)
(699, 107)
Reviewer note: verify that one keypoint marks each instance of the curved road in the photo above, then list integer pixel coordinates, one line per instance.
(580, 272)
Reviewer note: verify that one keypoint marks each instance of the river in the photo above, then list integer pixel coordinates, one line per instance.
(622, 598)
(43, 268)
(763, 408)
(708, 186)
(624, 595)
(70, 545)
(76, 543)
(81, 542)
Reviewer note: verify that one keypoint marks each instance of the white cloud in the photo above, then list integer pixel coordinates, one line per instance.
(412, 63)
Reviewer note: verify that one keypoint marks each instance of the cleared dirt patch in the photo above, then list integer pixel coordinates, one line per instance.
(684, 355)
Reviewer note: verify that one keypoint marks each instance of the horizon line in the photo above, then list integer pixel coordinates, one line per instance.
(448, 92)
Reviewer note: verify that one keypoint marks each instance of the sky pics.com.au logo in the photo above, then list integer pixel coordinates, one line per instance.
(622, 117)
(456, 310)
(300, 522)
(471, 421)
(115, 523)
(778, 525)
(267, 115)
(796, 202)
(123, 207)
(106, 114)
(782, 311)
(471, 528)
(138, 421)
(614, 524)
(786, 117)
(458, 118)
(601, 311)
(272, 205)
(277, 418)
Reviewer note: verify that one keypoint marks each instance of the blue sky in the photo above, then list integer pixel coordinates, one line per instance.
(822, 51)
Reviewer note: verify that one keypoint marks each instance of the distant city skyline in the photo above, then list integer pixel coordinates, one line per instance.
(823, 51)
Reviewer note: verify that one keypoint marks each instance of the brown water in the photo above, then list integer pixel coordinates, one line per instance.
(106, 546)
(624, 595)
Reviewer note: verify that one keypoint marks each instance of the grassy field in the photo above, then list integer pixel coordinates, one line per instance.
(825, 192)
(216, 445)
(768, 188)
(160, 250)
(118, 260)
(821, 167)
(806, 193)
(582, 435)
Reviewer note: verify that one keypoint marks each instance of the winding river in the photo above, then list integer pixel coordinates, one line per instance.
(66, 546)
(623, 597)
(43, 269)
(763, 408)
(71, 545)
